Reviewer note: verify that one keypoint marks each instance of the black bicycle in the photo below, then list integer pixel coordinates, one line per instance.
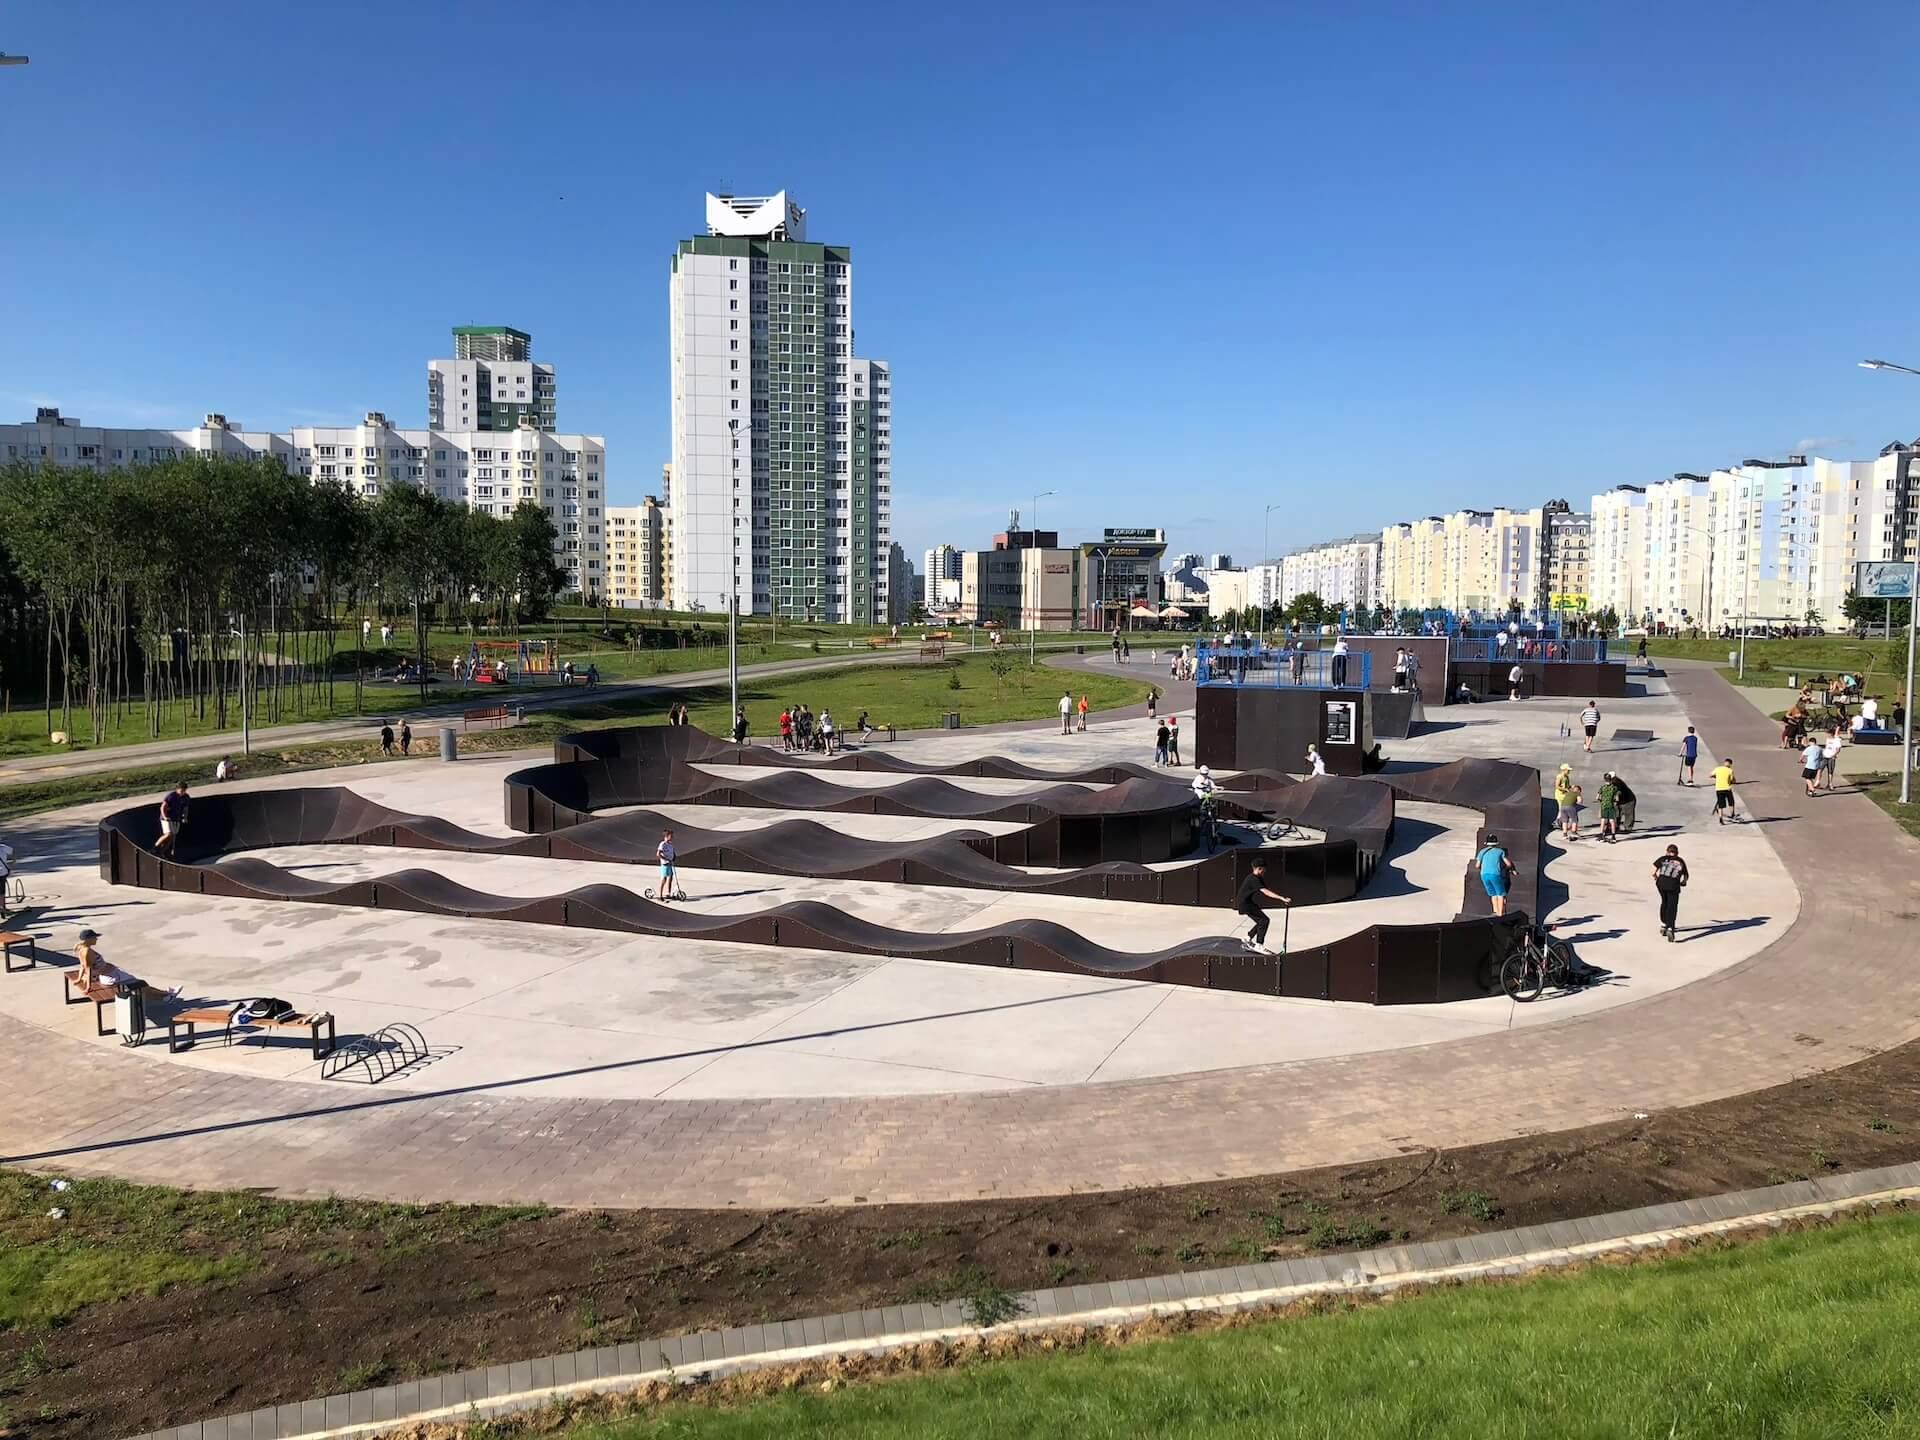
(1209, 824)
(1537, 961)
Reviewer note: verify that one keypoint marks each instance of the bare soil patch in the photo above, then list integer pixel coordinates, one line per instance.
(333, 1295)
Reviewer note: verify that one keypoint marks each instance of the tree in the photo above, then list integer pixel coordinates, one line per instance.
(1607, 621)
(1382, 617)
(1308, 609)
(1409, 619)
(1814, 617)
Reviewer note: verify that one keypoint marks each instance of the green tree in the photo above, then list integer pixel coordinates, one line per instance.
(1308, 609)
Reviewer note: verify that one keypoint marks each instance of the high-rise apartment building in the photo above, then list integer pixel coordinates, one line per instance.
(782, 440)
(940, 572)
(1343, 573)
(486, 471)
(636, 553)
(492, 382)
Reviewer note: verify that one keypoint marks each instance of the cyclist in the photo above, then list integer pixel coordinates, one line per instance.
(1207, 792)
(1204, 785)
(663, 852)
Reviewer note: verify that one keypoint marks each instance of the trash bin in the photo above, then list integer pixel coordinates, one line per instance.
(1733, 657)
(449, 743)
(1793, 682)
(953, 720)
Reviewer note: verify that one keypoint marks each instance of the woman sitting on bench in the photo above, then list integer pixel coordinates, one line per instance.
(95, 970)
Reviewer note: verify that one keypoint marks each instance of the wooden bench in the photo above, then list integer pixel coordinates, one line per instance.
(77, 994)
(190, 1019)
(313, 1024)
(11, 938)
(494, 717)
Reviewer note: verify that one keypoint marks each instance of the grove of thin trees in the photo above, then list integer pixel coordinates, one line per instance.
(185, 589)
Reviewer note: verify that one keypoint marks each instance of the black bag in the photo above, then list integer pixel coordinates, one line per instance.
(270, 1008)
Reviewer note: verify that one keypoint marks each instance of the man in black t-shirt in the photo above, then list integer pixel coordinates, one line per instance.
(1250, 902)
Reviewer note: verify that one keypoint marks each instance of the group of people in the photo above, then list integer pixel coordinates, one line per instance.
(801, 730)
(388, 740)
(1617, 801)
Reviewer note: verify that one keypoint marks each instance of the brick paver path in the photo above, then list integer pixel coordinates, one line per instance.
(1838, 986)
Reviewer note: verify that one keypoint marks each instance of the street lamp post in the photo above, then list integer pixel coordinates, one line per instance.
(1266, 549)
(1913, 623)
(1034, 526)
(733, 579)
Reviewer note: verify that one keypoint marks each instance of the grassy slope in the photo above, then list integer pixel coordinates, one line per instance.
(1883, 663)
(1805, 1335)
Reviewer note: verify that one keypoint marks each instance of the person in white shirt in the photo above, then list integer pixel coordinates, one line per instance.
(1830, 759)
(1870, 711)
(1066, 712)
(224, 770)
(1810, 764)
(1204, 785)
(1590, 722)
(1515, 678)
(1339, 662)
(1317, 764)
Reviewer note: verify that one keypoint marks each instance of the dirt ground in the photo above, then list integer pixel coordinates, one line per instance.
(343, 1308)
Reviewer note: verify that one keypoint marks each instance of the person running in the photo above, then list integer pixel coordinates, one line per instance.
(386, 739)
(1316, 763)
(1160, 743)
(1609, 809)
(1590, 722)
(406, 738)
(1173, 740)
(1830, 759)
(1082, 706)
(1251, 902)
(1066, 712)
(1496, 873)
(173, 818)
(1810, 764)
(1689, 754)
(1516, 677)
(664, 853)
(865, 726)
(1723, 783)
(1669, 878)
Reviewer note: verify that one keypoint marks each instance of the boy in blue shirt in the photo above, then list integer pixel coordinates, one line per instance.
(1496, 873)
(1689, 752)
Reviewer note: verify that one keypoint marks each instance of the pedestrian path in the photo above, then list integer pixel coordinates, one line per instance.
(1758, 1023)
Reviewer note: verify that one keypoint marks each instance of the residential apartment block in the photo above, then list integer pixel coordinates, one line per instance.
(1344, 573)
(487, 471)
(782, 440)
(492, 383)
(636, 554)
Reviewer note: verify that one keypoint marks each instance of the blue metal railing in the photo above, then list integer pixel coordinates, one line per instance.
(1259, 666)
(1531, 649)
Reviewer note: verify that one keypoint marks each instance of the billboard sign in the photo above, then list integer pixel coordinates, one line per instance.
(1570, 602)
(1111, 533)
(1883, 580)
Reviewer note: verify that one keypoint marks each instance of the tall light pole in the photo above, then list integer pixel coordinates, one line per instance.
(1913, 622)
(1033, 525)
(1266, 549)
(733, 576)
(6, 59)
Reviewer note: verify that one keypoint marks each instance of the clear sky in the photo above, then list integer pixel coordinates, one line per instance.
(1171, 262)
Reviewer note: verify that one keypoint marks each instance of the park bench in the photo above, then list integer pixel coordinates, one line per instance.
(190, 1020)
(11, 938)
(313, 1023)
(77, 994)
(492, 717)
(933, 650)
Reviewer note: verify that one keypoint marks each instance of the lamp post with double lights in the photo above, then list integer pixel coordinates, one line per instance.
(1266, 549)
(1034, 525)
(1913, 623)
(733, 576)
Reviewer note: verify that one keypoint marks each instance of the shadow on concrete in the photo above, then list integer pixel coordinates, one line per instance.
(1700, 932)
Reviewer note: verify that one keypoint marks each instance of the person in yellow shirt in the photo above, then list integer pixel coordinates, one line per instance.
(1723, 783)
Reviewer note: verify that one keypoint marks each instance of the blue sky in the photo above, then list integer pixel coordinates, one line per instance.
(1170, 262)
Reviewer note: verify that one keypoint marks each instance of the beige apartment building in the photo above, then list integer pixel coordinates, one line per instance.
(637, 554)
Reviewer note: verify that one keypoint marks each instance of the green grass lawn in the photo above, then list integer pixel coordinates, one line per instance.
(911, 696)
(1883, 663)
(1807, 1335)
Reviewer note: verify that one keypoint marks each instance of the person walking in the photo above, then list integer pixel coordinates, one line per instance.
(1810, 764)
(1516, 677)
(1566, 800)
(1830, 758)
(740, 726)
(386, 739)
(1066, 712)
(1723, 783)
(1669, 879)
(1496, 873)
(1590, 722)
(1251, 902)
(1153, 702)
(406, 738)
(1160, 744)
(1609, 809)
(1173, 740)
(173, 818)
(1689, 753)
(1413, 671)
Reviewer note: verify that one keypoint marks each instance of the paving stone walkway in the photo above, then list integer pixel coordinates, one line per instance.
(1840, 985)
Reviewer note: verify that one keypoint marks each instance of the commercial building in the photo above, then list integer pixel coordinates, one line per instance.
(1122, 570)
(782, 440)
(491, 383)
(486, 471)
(636, 553)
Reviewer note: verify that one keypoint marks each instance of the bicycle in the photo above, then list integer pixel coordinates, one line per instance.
(1209, 825)
(1283, 829)
(1537, 961)
(13, 895)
